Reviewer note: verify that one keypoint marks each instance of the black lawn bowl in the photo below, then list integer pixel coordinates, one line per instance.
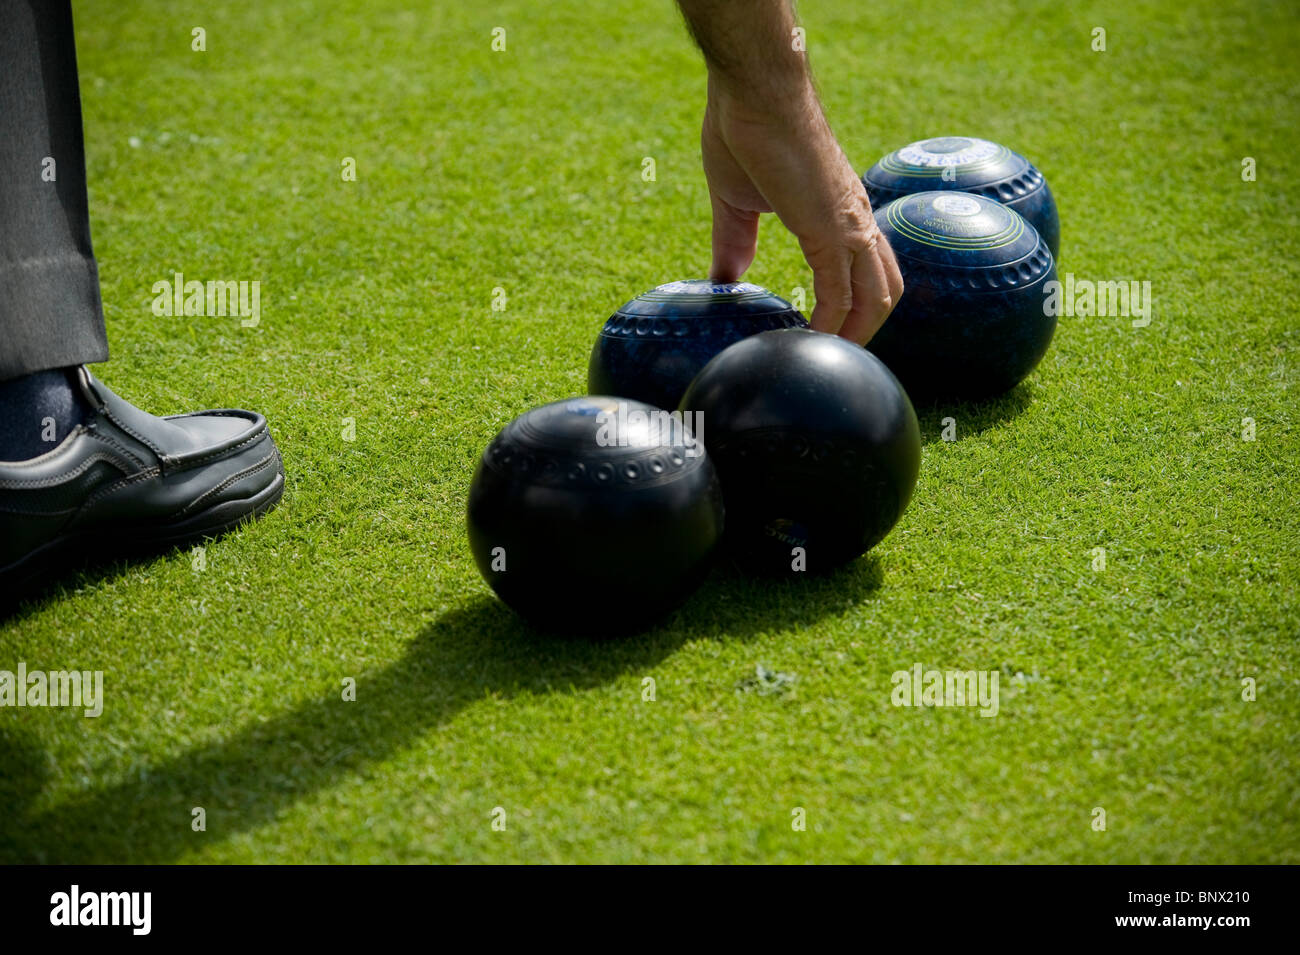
(816, 445)
(594, 515)
(651, 348)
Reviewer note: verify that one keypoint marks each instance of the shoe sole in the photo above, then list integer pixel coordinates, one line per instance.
(20, 580)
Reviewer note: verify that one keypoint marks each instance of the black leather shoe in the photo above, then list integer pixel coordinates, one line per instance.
(125, 481)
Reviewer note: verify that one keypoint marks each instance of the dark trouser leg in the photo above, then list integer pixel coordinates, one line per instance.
(50, 313)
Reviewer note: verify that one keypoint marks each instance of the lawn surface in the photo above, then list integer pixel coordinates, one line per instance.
(1122, 688)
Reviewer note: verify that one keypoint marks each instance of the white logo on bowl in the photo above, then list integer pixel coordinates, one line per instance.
(954, 205)
(916, 154)
(697, 286)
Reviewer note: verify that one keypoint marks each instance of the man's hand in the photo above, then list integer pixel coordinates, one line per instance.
(768, 148)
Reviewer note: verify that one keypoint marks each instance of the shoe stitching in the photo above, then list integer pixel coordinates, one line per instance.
(113, 443)
(57, 479)
(248, 416)
(184, 464)
(107, 412)
(252, 469)
(181, 461)
(118, 485)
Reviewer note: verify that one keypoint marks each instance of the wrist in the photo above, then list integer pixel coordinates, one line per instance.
(788, 101)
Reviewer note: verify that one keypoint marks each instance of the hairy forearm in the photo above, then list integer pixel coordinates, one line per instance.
(749, 48)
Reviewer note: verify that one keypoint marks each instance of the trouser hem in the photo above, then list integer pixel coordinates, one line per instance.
(50, 315)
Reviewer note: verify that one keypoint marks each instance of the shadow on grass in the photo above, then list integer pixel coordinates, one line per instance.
(971, 417)
(249, 778)
(94, 561)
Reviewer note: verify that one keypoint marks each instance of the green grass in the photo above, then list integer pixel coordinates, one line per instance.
(522, 170)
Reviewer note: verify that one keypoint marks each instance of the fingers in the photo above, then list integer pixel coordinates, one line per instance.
(833, 288)
(856, 290)
(871, 298)
(892, 273)
(877, 287)
(735, 240)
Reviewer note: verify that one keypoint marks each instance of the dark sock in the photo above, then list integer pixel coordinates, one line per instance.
(37, 412)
